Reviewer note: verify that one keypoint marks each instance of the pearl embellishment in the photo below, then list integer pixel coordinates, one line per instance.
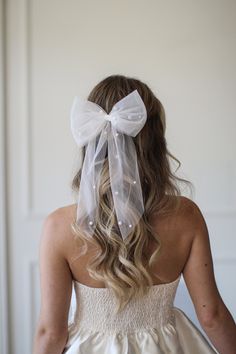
(134, 182)
(120, 222)
(90, 222)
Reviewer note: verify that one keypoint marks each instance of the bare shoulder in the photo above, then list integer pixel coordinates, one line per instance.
(181, 212)
(188, 221)
(190, 210)
(194, 213)
(61, 216)
(187, 205)
(57, 225)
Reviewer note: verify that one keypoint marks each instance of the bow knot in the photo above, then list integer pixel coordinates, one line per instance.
(110, 117)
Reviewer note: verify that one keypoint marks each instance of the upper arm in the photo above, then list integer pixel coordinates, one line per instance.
(55, 276)
(199, 272)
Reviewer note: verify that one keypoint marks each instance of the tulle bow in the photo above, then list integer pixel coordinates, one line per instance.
(92, 126)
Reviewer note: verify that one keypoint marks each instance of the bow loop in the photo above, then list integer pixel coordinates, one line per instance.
(132, 114)
(87, 120)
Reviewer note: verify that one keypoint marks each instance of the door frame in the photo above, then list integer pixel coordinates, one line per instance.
(4, 291)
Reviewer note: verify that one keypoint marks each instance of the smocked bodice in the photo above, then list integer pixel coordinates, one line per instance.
(95, 310)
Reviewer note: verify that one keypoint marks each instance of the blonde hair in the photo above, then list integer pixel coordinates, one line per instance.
(125, 266)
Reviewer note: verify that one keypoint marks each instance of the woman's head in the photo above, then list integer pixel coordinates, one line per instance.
(126, 264)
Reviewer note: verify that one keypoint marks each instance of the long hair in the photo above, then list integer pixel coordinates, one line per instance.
(125, 265)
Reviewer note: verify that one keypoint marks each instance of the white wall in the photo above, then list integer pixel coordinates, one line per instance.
(184, 50)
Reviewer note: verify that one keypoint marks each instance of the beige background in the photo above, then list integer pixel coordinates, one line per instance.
(184, 50)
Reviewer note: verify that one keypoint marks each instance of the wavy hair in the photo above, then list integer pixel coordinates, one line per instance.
(125, 265)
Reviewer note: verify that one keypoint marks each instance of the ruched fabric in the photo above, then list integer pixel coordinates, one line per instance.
(150, 325)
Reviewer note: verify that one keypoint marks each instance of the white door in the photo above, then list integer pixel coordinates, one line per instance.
(57, 49)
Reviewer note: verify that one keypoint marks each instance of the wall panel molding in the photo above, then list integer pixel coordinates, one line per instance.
(27, 198)
(4, 271)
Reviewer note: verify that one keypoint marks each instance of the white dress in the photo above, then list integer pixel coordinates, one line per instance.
(150, 325)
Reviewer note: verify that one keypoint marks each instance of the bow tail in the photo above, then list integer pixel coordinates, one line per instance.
(89, 184)
(125, 181)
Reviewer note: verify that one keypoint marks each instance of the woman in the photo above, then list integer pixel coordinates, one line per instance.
(125, 275)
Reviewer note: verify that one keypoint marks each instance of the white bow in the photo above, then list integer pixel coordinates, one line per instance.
(91, 125)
